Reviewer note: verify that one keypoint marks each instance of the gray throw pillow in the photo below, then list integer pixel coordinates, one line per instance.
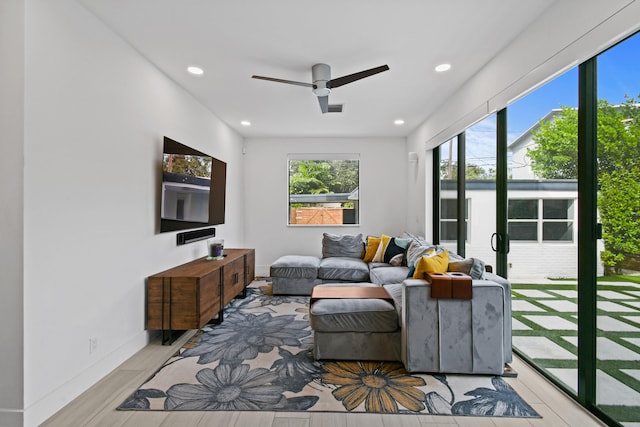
(342, 245)
(416, 250)
(474, 267)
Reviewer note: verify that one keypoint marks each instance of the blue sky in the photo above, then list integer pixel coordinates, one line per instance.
(618, 75)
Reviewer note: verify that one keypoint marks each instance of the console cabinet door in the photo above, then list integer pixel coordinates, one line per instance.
(250, 267)
(233, 279)
(209, 298)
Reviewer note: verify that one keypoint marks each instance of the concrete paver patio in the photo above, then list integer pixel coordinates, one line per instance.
(545, 325)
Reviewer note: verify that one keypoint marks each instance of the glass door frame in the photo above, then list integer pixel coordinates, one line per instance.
(587, 229)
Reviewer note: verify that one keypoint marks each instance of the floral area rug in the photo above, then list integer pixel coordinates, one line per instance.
(260, 359)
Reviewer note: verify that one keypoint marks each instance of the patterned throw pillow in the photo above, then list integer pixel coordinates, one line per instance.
(394, 253)
(391, 250)
(384, 241)
(437, 263)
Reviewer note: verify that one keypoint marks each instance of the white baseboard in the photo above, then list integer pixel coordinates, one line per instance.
(44, 408)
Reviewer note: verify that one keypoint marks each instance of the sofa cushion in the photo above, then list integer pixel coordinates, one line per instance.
(353, 315)
(395, 291)
(295, 266)
(343, 268)
(388, 274)
(342, 245)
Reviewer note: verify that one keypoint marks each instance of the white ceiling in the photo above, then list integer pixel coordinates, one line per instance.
(232, 40)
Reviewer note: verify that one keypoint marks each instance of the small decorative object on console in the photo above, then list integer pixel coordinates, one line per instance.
(214, 248)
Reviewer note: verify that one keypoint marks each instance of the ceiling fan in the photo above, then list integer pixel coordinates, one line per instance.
(322, 83)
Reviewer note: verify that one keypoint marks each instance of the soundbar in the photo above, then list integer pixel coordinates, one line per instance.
(195, 235)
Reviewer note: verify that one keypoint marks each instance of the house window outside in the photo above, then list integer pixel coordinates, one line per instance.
(528, 219)
(522, 221)
(557, 224)
(323, 189)
(448, 219)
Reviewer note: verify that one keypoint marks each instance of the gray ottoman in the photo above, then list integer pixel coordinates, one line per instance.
(354, 329)
(294, 274)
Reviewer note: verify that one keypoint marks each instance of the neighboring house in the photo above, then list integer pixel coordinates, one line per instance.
(542, 218)
(521, 164)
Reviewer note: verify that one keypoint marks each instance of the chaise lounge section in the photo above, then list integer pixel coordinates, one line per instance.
(427, 334)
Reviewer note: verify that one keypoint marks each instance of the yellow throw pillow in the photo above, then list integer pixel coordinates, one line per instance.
(384, 241)
(431, 264)
(372, 246)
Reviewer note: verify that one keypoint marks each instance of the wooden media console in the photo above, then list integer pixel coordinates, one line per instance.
(193, 294)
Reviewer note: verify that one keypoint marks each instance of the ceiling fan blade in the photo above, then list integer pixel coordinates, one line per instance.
(291, 82)
(324, 103)
(355, 76)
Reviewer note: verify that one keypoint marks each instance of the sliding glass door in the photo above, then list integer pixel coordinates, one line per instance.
(542, 194)
(480, 189)
(617, 376)
(570, 213)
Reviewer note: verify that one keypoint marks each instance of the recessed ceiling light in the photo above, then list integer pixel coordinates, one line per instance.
(195, 70)
(443, 67)
(398, 122)
(245, 123)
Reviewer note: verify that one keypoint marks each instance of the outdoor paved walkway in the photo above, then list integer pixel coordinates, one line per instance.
(545, 325)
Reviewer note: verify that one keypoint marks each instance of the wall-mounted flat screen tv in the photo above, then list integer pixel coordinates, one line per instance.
(193, 188)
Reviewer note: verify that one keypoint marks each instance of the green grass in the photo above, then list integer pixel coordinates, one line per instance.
(620, 278)
(616, 278)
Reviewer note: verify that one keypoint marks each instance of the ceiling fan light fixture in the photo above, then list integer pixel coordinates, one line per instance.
(320, 89)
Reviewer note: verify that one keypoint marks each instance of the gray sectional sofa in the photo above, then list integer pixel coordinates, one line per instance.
(426, 334)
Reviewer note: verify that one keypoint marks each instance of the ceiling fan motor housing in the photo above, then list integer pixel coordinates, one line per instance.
(321, 74)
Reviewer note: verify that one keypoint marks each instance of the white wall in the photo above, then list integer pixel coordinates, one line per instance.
(418, 213)
(95, 116)
(11, 210)
(383, 193)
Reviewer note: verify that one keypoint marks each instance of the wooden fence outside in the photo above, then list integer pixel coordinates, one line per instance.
(310, 215)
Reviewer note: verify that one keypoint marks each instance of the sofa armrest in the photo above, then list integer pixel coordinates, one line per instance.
(450, 335)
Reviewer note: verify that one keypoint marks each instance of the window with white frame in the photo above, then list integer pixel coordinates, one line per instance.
(324, 189)
(546, 220)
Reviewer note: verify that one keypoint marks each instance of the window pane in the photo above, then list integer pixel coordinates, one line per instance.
(619, 249)
(562, 231)
(449, 209)
(523, 231)
(557, 209)
(523, 209)
(448, 231)
(480, 188)
(448, 192)
(324, 191)
(543, 145)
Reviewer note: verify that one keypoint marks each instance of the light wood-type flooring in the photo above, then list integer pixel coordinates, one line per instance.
(96, 407)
